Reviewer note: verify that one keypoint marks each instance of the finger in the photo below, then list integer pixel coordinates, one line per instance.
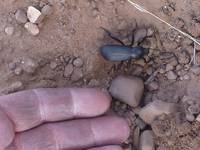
(30, 108)
(6, 131)
(76, 135)
(111, 147)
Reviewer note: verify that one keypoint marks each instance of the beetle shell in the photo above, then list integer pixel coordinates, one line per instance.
(121, 52)
(116, 52)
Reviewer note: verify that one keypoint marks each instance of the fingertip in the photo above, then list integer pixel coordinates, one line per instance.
(90, 102)
(6, 130)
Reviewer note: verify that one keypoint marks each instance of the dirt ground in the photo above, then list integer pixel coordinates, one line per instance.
(66, 53)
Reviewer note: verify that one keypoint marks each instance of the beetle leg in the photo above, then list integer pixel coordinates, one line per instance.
(112, 36)
(132, 40)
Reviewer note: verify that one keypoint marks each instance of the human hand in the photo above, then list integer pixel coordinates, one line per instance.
(59, 119)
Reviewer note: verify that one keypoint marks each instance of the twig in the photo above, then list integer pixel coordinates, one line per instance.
(142, 9)
(193, 59)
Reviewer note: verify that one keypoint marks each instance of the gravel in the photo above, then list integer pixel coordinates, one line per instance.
(32, 28)
(68, 70)
(9, 30)
(147, 141)
(171, 75)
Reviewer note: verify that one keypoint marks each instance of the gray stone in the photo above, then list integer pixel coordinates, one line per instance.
(68, 70)
(147, 141)
(171, 75)
(78, 62)
(155, 109)
(140, 34)
(21, 16)
(127, 89)
(77, 74)
(29, 65)
(47, 10)
(153, 86)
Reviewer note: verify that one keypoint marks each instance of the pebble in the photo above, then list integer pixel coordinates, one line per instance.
(196, 70)
(190, 117)
(18, 71)
(136, 137)
(77, 74)
(153, 86)
(9, 30)
(12, 66)
(47, 10)
(140, 123)
(29, 65)
(149, 71)
(68, 70)
(53, 65)
(155, 109)
(21, 16)
(14, 87)
(34, 15)
(32, 28)
(171, 75)
(169, 67)
(198, 118)
(127, 89)
(139, 35)
(78, 62)
(194, 109)
(147, 141)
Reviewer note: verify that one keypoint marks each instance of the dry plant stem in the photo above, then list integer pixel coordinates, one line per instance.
(142, 9)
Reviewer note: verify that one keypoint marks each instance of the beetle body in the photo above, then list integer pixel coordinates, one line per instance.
(122, 52)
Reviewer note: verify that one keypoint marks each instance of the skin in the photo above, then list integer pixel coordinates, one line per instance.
(59, 119)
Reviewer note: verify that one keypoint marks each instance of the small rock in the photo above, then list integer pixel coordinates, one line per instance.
(18, 71)
(169, 67)
(194, 109)
(14, 87)
(198, 118)
(136, 137)
(47, 10)
(127, 89)
(171, 75)
(186, 77)
(183, 58)
(147, 141)
(68, 70)
(12, 66)
(139, 35)
(149, 71)
(150, 31)
(190, 117)
(153, 86)
(32, 28)
(21, 16)
(196, 70)
(53, 65)
(29, 65)
(155, 109)
(77, 74)
(9, 30)
(93, 83)
(78, 62)
(140, 123)
(34, 15)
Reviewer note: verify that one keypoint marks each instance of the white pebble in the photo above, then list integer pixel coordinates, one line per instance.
(9, 30)
(32, 28)
(34, 15)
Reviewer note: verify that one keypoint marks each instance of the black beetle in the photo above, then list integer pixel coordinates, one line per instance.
(122, 52)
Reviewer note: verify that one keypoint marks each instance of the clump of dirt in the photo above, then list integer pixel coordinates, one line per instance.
(65, 52)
